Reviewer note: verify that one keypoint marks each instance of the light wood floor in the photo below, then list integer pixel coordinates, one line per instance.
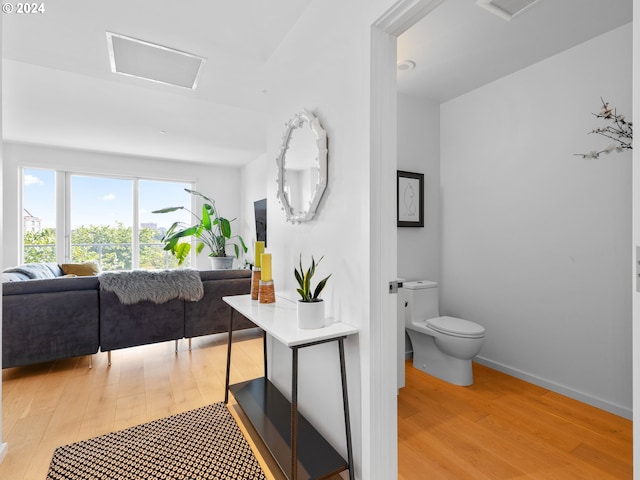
(499, 428)
(504, 428)
(53, 404)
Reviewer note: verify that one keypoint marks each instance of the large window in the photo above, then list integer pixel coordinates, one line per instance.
(104, 219)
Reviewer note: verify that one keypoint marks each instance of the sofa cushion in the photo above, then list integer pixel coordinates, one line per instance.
(49, 326)
(50, 285)
(141, 323)
(211, 314)
(86, 269)
(224, 274)
(36, 270)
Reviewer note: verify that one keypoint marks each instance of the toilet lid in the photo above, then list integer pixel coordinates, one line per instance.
(456, 327)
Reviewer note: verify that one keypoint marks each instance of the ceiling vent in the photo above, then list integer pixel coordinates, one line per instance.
(140, 59)
(507, 9)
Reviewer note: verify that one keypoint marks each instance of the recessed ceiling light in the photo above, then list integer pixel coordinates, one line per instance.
(137, 58)
(406, 65)
(507, 9)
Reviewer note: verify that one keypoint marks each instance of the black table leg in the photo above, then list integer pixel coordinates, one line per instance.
(230, 335)
(345, 400)
(294, 414)
(264, 352)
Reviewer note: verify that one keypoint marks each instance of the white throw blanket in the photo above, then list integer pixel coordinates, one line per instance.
(158, 286)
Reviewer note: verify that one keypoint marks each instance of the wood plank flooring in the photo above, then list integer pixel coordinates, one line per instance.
(499, 428)
(57, 403)
(504, 428)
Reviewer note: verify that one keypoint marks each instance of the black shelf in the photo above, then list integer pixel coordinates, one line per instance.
(270, 414)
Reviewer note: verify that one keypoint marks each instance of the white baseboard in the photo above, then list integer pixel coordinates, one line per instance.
(4, 449)
(561, 389)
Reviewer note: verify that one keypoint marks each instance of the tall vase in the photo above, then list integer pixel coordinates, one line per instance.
(310, 315)
(255, 283)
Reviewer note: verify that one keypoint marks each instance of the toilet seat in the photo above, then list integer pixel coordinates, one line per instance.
(456, 327)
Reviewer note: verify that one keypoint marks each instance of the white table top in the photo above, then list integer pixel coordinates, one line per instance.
(279, 319)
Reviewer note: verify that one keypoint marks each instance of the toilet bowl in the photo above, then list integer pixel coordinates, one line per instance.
(443, 346)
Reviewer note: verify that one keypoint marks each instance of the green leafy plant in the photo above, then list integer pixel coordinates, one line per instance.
(304, 281)
(211, 230)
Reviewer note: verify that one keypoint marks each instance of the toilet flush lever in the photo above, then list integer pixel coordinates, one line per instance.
(394, 286)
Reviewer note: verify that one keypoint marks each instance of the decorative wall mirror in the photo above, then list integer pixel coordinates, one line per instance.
(302, 167)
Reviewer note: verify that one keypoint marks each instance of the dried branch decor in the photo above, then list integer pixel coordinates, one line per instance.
(620, 130)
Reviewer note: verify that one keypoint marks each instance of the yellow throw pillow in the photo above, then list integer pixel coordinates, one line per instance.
(86, 269)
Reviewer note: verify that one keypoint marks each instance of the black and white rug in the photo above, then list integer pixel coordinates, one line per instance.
(201, 444)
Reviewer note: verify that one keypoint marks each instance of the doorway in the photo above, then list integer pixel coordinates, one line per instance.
(388, 30)
(383, 412)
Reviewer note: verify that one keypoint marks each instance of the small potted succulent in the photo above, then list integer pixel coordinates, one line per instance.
(210, 229)
(310, 305)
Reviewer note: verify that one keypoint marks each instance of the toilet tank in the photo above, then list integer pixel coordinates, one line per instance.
(422, 300)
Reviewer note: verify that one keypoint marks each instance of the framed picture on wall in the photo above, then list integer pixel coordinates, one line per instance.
(410, 190)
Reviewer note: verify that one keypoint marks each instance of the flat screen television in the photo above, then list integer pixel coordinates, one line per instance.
(260, 210)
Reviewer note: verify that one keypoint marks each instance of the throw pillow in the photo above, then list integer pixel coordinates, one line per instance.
(86, 269)
(36, 270)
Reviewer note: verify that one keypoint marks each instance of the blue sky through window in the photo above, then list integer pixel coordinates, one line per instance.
(154, 195)
(101, 201)
(104, 200)
(39, 197)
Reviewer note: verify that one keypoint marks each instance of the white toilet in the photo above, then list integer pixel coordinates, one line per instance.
(442, 346)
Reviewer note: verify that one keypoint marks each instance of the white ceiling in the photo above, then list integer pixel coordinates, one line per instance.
(58, 88)
(460, 46)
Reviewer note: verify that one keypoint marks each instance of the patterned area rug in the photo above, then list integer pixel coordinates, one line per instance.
(201, 444)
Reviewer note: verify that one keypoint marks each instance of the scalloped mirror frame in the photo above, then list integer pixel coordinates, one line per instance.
(320, 135)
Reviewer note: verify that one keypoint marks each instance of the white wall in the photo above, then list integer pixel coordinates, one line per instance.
(324, 87)
(536, 241)
(220, 183)
(3, 446)
(253, 187)
(419, 152)
(323, 66)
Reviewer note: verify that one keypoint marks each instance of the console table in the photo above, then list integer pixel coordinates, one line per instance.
(298, 448)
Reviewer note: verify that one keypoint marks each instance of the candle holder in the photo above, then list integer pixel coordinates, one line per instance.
(267, 293)
(255, 280)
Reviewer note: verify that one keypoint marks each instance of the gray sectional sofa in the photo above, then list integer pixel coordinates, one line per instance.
(47, 316)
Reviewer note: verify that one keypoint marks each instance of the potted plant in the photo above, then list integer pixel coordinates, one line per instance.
(211, 230)
(310, 305)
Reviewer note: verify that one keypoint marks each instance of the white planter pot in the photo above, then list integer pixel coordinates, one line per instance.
(221, 263)
(310, 315)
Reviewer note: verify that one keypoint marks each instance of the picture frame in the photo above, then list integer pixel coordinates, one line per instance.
(410, 199)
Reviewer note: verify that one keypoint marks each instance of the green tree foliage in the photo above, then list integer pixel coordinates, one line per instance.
(110, 246)
(40, 246)
(152, 254)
